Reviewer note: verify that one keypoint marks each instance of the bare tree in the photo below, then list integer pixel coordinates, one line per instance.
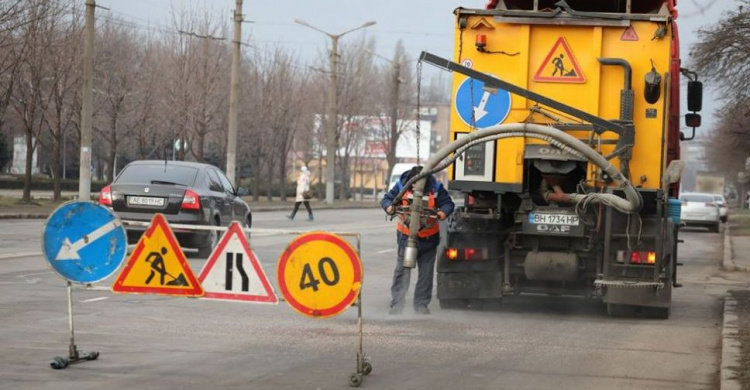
(723, 56)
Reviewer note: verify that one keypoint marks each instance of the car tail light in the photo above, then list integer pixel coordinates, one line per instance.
(191, 201)
(643, 257)
(451, 253)
(105, 196)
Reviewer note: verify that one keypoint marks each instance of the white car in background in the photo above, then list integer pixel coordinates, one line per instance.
(699, 209)
(723, 207)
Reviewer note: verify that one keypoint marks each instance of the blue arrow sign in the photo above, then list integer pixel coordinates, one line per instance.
(488, 109)
(84, 242)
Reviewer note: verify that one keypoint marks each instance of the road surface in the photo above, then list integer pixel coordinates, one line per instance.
(156, 342)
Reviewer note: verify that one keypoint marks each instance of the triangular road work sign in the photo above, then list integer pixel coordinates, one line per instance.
(232, 272)
(158, 265)
(629, 34)
(560, 66)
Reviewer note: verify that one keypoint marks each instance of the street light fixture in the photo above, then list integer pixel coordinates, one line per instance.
(332, 111)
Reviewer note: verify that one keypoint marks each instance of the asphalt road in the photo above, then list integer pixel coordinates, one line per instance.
(156, 342)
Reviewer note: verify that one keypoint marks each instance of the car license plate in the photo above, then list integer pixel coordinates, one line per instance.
(554, 219)
(145, 201)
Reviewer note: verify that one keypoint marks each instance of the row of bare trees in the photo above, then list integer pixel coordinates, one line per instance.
(163, 94)
(723, 56)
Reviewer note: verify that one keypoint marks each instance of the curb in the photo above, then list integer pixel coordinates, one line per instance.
(24, 216)
(253, 209)
(728, 260)
(730, 346)
(727, 263)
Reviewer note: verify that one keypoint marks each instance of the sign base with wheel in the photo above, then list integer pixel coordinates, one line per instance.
(84, 243)
(320, 276)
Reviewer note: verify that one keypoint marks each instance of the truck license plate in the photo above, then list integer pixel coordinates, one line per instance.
(554, 219)
(145, 201)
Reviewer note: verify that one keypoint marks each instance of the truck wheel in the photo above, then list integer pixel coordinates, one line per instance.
(661, 313)
(449, 304)
(616, 310)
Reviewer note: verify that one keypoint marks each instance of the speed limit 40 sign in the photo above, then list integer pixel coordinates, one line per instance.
(319, 274)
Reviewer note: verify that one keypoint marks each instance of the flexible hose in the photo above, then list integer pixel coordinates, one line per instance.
(556, 137)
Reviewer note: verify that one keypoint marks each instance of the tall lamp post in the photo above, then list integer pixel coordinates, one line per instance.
(332, 112)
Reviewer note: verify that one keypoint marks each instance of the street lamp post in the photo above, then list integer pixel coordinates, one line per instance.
(332, 113)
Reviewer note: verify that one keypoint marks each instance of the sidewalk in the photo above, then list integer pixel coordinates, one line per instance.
(44, 207)
(735, 354)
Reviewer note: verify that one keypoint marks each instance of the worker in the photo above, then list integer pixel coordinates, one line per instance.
(438, 200)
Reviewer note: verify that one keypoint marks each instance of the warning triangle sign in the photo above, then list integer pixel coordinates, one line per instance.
(629, 34)
(560, 66)
(158, 265)
(233, 273)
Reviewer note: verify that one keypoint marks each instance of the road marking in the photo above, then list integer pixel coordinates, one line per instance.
(386, 251)
(21, 254)
(96, 299)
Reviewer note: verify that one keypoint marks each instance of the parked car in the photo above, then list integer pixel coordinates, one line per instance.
(700, 209)
(723, 207)
(185, 192)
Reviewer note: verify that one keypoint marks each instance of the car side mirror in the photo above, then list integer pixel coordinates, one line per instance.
(242, 191)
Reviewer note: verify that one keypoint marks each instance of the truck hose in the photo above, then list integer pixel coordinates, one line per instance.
(631, 203)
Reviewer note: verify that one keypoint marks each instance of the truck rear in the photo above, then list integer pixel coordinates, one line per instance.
(540, 217)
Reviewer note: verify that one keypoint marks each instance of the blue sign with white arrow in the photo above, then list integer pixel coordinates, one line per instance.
(84, 242)
(488, 109)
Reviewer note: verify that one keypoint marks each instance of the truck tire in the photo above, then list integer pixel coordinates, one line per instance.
(661, 313)
(621, 311)
(453, 304)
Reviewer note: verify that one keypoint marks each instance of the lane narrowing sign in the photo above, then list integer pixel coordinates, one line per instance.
(233, 272)
(84, 242)
(319, 274)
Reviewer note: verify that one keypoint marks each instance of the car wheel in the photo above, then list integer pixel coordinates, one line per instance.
(211, 241)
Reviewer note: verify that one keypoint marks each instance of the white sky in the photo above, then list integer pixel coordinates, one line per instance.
(420, 24)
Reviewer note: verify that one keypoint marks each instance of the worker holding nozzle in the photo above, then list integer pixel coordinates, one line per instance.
(438, 206)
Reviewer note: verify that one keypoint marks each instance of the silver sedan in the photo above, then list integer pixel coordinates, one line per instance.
(700, 210)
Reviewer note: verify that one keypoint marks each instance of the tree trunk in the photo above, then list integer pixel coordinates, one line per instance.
(27, 175)
(112, 150)
(282, 177)
(56, 168)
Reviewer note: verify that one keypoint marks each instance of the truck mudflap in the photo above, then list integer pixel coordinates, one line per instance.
(469, 285)
(626, 299)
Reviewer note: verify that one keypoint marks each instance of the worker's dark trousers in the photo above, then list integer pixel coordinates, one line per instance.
(401, 277)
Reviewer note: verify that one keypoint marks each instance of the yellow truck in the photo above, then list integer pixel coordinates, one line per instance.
(566, 144)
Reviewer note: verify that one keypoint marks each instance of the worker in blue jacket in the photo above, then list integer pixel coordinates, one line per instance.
(437, 199)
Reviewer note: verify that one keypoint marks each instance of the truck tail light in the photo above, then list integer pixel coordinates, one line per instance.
(105, 196)
(643, 257)
(451, 253)
(191, 201)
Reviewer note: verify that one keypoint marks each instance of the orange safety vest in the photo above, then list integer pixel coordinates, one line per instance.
(428, 229)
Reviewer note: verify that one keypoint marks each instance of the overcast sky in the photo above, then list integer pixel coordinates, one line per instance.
(420, 24)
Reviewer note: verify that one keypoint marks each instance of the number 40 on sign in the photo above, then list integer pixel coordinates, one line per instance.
(319, 274)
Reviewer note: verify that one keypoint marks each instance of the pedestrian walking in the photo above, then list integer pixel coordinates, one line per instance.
(303, 194)
(439, 201)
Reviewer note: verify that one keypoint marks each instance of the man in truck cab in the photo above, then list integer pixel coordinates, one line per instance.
(439, 206)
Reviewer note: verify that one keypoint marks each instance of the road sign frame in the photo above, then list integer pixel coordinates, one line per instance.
(159, 220)
(235, 230)
(353, 257)
(118, 227)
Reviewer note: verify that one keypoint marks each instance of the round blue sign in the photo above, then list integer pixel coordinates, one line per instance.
(84, 242)
(488, 109)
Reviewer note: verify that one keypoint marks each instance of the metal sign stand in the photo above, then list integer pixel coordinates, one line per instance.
(364, 367)
(74, 356)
